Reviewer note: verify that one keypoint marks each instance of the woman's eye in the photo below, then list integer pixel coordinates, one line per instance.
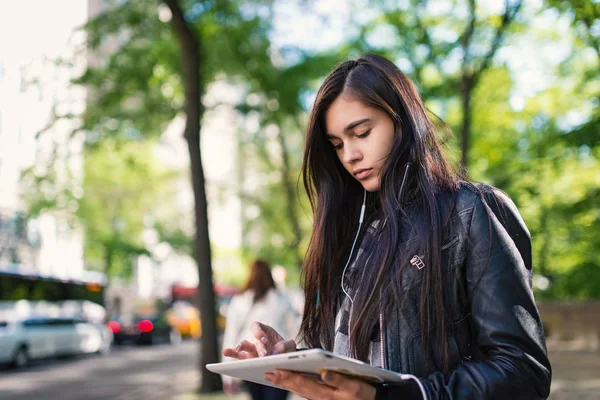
(364, 135)
(337, 146)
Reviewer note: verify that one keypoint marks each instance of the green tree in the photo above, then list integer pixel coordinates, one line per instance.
(447, 52)
(451, 49)
(121, 184)
(279, 222)
(149, 72)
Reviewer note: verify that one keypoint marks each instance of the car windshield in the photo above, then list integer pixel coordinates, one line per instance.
(139, 318)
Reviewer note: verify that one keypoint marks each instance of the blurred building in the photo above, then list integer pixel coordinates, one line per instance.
(33, 88)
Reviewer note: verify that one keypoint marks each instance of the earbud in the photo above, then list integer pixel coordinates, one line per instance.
(362, 209)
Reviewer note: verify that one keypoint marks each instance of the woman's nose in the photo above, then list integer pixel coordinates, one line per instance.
(351, 154)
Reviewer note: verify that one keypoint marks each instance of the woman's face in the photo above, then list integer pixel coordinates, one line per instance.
(362, 137)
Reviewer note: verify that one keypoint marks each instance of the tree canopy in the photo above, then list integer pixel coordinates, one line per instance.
(521, 79)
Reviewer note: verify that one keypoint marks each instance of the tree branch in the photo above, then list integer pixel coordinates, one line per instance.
(426, 38)
(468, 35)
(507, 18)
(290, 198)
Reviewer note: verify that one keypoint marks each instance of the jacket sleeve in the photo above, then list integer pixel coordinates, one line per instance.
(509, 360)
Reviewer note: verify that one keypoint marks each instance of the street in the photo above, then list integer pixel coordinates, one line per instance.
(163, 372)
(127, 373)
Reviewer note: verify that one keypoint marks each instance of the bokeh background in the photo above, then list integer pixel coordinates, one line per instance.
(110, 110)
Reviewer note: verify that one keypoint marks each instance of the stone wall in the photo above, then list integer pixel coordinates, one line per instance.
(573, 325)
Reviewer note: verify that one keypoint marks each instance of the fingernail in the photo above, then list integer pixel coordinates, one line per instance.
(274, 352)
(328, 376)
(264, 340)
(262, 353)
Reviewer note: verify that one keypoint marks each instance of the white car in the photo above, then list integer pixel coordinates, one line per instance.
(36, 338)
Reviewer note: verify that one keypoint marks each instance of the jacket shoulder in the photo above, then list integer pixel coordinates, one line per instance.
(471, 194)
(467, 196)
(500, 206)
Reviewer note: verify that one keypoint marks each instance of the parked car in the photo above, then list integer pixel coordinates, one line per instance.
(185, 318)
(137, 329)
(34, 338)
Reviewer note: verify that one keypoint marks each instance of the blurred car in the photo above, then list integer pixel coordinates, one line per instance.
(186, 318)
(222, 306)
(35, 338)
(154, 329)
(184, 313)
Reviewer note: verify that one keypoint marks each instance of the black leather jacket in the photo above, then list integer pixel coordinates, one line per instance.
(496, 341)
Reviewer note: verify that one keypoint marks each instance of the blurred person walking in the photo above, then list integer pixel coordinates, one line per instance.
(259, 301)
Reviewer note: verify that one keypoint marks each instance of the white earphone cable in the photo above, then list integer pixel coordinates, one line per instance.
(360, 222)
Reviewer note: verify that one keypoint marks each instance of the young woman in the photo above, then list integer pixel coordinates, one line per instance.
(408, 268)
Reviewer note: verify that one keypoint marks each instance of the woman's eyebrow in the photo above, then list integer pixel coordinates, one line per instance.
(350, 126)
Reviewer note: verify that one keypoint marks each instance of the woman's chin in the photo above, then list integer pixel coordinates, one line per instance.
(371, 185)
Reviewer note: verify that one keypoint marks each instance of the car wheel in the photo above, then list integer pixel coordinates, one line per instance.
(174, 337)
(21, 358)
(105, 348)
(152, 340)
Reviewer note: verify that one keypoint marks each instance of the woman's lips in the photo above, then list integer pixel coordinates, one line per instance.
(362, 173)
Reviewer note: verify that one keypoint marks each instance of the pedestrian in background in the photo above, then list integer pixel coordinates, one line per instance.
(260, 300)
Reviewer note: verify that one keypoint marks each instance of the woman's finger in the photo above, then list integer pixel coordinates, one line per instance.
(260, 331)
(229, 352)
(285, 346)
(351, 388)
(337, 381)
(249, 348)
(243, 351)
(263, 343)
(301, 385)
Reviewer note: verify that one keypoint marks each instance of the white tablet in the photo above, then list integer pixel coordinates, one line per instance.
(309, 362)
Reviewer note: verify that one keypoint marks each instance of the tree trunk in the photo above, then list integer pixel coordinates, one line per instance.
(465, 129)
(471, 73)
(209, 345)
(291, 200)
(191, 64)
(108, 257)
(546, 237)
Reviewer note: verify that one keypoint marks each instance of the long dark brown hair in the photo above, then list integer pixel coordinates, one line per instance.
(260, 280)
(420, 212)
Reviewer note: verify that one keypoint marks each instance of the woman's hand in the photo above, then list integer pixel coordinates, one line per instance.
(336, 386)
(266, 342)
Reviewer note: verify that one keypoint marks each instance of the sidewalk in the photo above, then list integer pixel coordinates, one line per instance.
(187, 384)
(575, 376)
(222, 396)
